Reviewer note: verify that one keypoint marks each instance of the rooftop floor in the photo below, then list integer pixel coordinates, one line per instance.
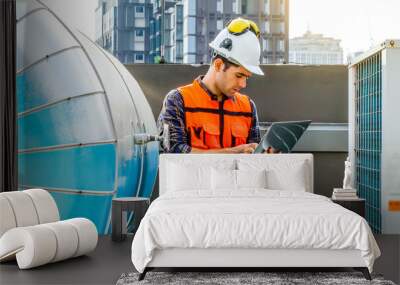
(110, 259)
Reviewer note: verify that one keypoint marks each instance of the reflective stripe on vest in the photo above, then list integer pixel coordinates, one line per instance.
(213, 124)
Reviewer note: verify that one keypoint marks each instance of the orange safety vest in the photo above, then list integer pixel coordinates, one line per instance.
(213, 124)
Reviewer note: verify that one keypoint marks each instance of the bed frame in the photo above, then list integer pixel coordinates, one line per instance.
(243, 259)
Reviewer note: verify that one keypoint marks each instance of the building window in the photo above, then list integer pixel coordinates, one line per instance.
(266, 27)
(220, 25)
(179, 32)
(139, 33)
(281, 45)
(189, 43)
(235, 7)
(264, 44)
(220, 6)
(244, 6)
(189, 8)
(189, 26)
(179, 12)
(190, 58)
(139, 11)
(266, 7)
(179, 49)
(139, 58)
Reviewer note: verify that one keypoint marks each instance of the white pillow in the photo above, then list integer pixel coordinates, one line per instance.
(251, 178)
(292, 178)
(227, 179)
(223, 179)
(181, 177)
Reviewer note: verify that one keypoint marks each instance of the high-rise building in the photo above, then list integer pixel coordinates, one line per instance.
(203, 19)
(274, 25)
(122, 28)
(166, 32)
(155, 31)
(174, 34)
(182, 29)
(315, 49)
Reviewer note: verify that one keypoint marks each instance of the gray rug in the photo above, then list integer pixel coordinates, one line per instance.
(230, 278)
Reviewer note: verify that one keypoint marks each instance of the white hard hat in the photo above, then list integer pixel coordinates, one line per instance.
(243, 49)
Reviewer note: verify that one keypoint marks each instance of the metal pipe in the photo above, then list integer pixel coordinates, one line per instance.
(142, 150)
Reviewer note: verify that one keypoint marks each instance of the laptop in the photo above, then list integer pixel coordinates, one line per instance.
(282, 136)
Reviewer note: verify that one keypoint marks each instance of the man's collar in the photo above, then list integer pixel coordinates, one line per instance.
(208, 91)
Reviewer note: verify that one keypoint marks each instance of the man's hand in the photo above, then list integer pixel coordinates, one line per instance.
(244, 148)
(272, 150)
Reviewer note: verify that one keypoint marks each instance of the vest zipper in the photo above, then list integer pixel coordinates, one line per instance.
(221, 123)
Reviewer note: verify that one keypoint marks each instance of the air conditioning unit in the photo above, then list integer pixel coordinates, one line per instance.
(374, 134)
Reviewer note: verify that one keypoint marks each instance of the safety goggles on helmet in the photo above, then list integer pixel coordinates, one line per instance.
(240, 26)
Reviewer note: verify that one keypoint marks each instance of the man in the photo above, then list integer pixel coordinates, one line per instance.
(210, 115)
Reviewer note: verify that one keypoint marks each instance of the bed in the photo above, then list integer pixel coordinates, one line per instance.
(247, 211)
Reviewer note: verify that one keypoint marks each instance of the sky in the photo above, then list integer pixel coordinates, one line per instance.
(359, 24)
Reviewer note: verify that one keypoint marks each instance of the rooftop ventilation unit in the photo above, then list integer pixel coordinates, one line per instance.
(84, 123)
(374, 134)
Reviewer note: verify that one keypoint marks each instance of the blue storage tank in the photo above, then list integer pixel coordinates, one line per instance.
(78, 110)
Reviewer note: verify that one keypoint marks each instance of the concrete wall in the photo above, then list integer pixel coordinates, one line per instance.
(286, 92)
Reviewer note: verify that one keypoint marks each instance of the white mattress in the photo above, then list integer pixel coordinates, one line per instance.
(253, 218)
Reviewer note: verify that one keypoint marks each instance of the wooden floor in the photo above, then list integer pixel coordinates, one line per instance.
(110, 260)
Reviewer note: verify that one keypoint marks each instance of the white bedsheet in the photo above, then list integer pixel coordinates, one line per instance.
(252, 218)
